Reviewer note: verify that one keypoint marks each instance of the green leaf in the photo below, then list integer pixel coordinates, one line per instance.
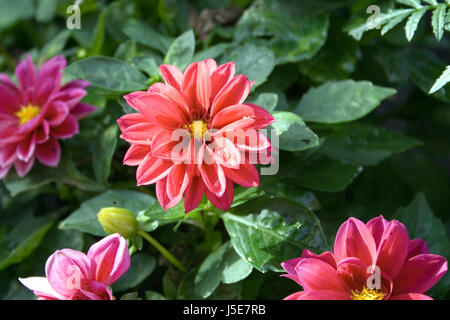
(66, 172)
(268, 231)
(212, 52)
(24, 238)
(142, 265)
(437, 21)
(293, 133)
(85, 218)
(103, 154)
(286, 28)
(413, 22)
(411, 3)
(99, 35)
(255, 62)
(341, 101)
(146, 64)
(422, 223)
(56, 45)
(181, 50)
(392, 23)
(12, 11)
(152, 295)
(222, 265)
(326, 174)
(266, 100)
(358, 31)
(365, 145)
(45, 10)
(441, 81)
(108, 73)
(144, 34)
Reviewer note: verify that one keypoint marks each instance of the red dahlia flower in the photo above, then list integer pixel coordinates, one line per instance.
(221, 139)
(373, 261)
(36, 113)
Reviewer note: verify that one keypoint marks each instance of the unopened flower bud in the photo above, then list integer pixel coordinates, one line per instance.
(118, 220)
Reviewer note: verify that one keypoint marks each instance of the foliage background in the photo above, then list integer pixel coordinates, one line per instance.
(359, 135)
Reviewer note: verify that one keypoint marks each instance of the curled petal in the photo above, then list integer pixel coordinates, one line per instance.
(315, 274)
(49, 152)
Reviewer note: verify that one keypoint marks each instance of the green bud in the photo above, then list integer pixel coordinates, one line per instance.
(118, 220)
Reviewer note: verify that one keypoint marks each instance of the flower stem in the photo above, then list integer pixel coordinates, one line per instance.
(162, 250)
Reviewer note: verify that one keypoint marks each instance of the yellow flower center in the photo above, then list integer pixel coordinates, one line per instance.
(367, 294)
(198, 129)
(26, 113)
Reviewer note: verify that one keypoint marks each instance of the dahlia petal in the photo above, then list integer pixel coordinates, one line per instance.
(76, 84)
(65, 269)
(152, 169)
(172, 75)
(252, 141)
(289, 267)
(41, 134)
(25, 73)
(220, 77)
(315, 274)
(324, 295)
(214, 178)
(22, 167)
(354, 239)
(416, 247)
(326, 256)
(56, 113)
(232, 114)
(43, 91)
(82, 110)
(177, 181)
(410, 296)
(246, 176)
(262, 117)
(159, 110)
(25, 148)
(295, 296)
(93, 290)
(234, 92)
(52, 67)
(194, 194)
(353, 274)
(141, 133)
(225, 200)
(41, 287)
(163, 144)
(67, 129)
(377, 226)
(7, 155)
(4, 171)
(130, 119)
(71, 97)
(225, 152)
(9, 101)
(203, 87)
(393, 248)
(49, 152)
(420, 273)
(163, 198)
(109, 258)
(135, 154)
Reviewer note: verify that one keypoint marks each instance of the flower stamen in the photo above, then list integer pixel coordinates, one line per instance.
(198, 129)
(26, 113)
(367, 294)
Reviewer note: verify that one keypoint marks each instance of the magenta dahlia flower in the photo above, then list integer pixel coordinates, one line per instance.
(73, 275)
(373, 261)
(220, 134)
(38, 112)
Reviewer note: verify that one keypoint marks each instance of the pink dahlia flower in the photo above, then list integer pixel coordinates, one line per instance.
(36, 113)
(221, 139)
(373, 261)
(73, 275)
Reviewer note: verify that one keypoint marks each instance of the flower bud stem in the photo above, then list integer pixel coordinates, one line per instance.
(162, 250)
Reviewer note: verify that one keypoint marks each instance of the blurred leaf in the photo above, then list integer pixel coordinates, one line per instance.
(66, 172)
(146, 64)
(24, 238)
(266, 100)
(365, 145)
(222, 265)
(45, 10)
(103, 153)
(152, 295)
(85, 218)
(12, 11)
(341, 101)
(268, 231)
(326, 174)
(293, 133)
(441, 81)
(56, 45)
(181, 50)
(142, 265)
(108, 73)
(212, 52)
(256, 62)
(144, 34)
